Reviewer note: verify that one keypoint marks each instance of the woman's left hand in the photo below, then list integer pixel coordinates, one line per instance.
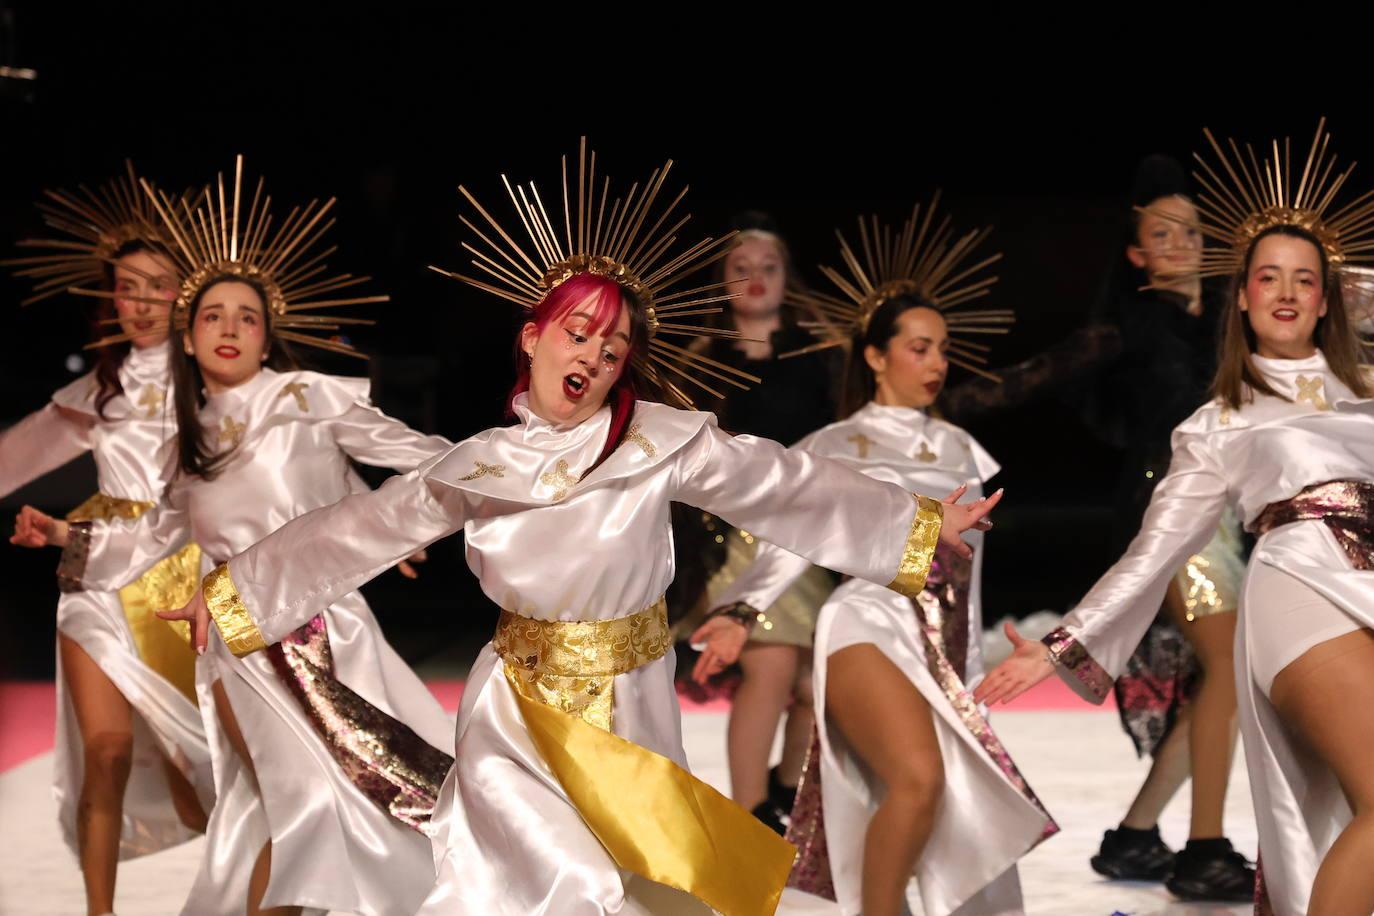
(724, 638)
(1028, 665)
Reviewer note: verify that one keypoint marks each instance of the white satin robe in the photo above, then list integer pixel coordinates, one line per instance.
(550, 546)
(128, 444)
(985, 822)
(333, 848)
(1266, 452)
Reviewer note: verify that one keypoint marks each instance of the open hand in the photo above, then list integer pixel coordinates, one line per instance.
(1028, 665)
(724, 638)
(406, 569)
(961, 517)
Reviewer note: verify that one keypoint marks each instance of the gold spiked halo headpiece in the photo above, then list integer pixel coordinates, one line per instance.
(210, 238)
(632, 240)
(924, 258)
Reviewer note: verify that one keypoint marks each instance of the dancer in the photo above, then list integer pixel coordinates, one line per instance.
(327, 746)
(131, 767)
(793, 397)
(570, 793)
(895, 802)
(1289, 442)
(1177, 695)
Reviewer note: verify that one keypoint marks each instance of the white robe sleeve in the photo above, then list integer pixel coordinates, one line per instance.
(371, 437)
(41, 442)
(108, 555)
(310, 562)
(1097, 638)
(811, 506)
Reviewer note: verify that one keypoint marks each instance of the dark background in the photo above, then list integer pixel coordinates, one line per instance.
(390, 106)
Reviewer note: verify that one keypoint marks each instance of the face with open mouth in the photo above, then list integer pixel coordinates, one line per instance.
(911, 371)
(140, 276)
(573, 363)
(228, 335)
(1284, 296)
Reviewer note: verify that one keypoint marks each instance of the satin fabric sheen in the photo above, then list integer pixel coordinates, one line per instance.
(549, 545)
(1267, 452)
(986, 821)
(334, 848)
(129, 447)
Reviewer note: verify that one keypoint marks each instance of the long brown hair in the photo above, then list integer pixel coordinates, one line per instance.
(1237, 379)
(194, 455)
(109, 359)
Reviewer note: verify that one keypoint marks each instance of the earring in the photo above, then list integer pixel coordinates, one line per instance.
(190, 351)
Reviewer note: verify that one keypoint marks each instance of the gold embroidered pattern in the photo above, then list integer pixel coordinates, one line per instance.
(639, 439)
(297, 391)
(572, 665)
(1225, 418)
(1311, 391)
(483, 469)
(861, 443)
(920, 547)
(236, 626)
(230, 433)
(559, 479)
(151, 400)
(925, 454)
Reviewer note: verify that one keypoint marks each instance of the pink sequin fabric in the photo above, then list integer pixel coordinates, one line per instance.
(1344, 506)
(388, 762)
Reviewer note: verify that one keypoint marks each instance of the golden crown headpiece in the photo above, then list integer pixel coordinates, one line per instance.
(620, 238)
(210, 238)
(96, 224)
(924, 258)
(1241, 195)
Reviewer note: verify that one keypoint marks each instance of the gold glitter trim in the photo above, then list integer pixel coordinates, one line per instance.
(559, 479)
(72, 567)
(572, 665)
(920, 547)
(639, 439)
(483, 469)
(227, 609)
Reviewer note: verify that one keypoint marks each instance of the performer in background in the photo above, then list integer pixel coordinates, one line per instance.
(326, 746)
(909, 796)
(1288, 440)
(131, 767)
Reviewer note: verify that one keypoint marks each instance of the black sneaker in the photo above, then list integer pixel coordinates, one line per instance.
(782, 796)
(1212, 870)
(1133, 855)
(770, 816)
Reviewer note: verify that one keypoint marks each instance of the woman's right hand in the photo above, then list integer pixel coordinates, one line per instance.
(1029, 664)
(38, 529)
(960, 517)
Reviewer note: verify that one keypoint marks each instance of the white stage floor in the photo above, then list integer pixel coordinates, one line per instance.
(1079, 762)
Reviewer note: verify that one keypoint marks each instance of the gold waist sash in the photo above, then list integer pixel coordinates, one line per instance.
(652, 816)
(164, 646)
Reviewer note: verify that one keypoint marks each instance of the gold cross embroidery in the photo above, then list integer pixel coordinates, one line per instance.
(483, 469)
(925, 454)
(861, 442)
(1310, 390)
(297, 391)
(1225, 418)
(231, 432)
(151, 400)
(639, 439)
(559, 479)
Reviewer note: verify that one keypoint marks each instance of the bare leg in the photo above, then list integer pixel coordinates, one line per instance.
(768, 674)
(262, 866)
(105, 720)
(184, 799)
(1323, 697)
(1168, 770)
(888, 723)
(796, 732)
(1212, 731)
